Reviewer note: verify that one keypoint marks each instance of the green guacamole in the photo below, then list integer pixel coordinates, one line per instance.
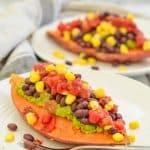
(67, 113)
(40, 101)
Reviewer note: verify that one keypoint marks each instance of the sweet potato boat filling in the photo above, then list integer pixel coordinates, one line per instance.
(72, 136)
(134, 55)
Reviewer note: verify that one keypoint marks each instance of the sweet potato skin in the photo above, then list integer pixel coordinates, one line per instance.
(72, 136)
(133, 56)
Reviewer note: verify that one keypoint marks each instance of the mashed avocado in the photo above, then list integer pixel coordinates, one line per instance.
(40, 101)
(67, 113)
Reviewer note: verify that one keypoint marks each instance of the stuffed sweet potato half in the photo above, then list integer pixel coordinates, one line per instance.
(61, 106)
(106, 37)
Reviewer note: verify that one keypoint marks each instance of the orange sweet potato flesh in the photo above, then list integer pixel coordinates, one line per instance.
(134, 55)
(64, 131)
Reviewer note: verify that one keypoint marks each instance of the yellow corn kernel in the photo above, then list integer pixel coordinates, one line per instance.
(34, 76)
(75, 32)
(118, 137)
(122, 68)
(113, 30)
(39, 86)
(93, 104)
(61, 68)
(9, 137)
(91, 60)
(124, 49)
(58, 54)
(69, 76)
(66, 35)
(31, 118)
(106, 128)
(130, 16)
(146, 45)
(111, 41)
(123, 30)
(87, 37)
(97, 36)
(82, 55)
(132, 138)
(134, 124)
(95, 42)
(80, 61)
(99, 93)
(91, 15)
(70, 99)
(50, 68)
(109, 105)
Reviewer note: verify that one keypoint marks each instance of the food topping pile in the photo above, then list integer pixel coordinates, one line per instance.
(105, 32)
(65, 94)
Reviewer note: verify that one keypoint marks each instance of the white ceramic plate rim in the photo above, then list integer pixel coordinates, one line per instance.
(143, 69)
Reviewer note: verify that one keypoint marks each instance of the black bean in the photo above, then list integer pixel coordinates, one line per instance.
(27, 81)
(110, 49)
(103, 45)
(84, 120)
(28, 93)
(58, 98)
(78, 76)
(118, 35)
(78, 100)
(83, 104)
(88, 45)
(92, 95)
(75, 38)
(95, 67)
(29, 145)
(73, 106)
(82, 44)
(123, 39)
(67, 62)
(32, 88)
(113, 116)
(131, 35)
(104, 15)
(48, 90)
(25, 87)
(36, 94)
(81, 113)
(12, 126)
(62, 101)
(112, 131)
(118, 116)
(28, 137)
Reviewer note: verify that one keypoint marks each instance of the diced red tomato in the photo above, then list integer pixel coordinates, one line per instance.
(97, 117)
(115, 109)
(40, 66)
(106, 121)
(104, 100)
(119, 22)
(48, 122)
(61, 26)
(75, 23)
(140, 40)
(93, 23)
(119, 124)
(46, 118)
(94, 117)
(85, 27)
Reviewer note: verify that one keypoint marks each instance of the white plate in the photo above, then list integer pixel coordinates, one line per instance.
(131, 96)
(44, 47)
